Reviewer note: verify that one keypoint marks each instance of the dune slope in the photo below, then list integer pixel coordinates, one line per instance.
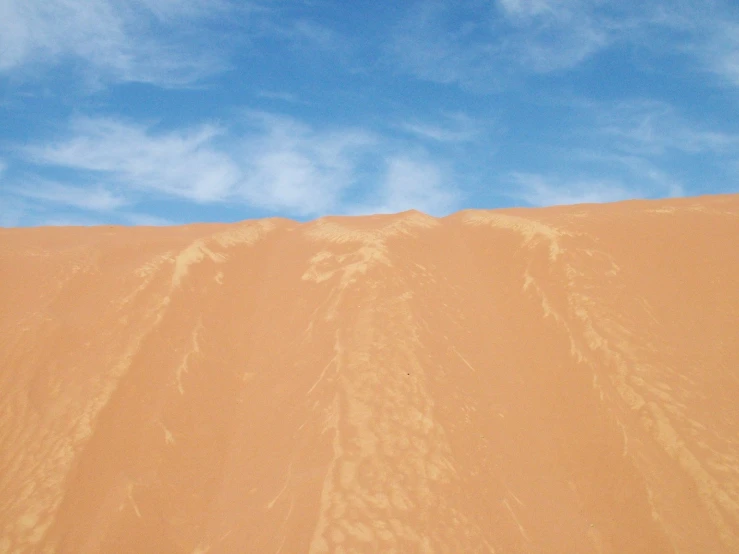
(554, 380)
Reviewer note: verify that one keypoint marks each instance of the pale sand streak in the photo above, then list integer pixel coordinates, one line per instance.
(720, 501)
(391, 460)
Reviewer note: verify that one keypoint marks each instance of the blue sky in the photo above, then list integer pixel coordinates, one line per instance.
(175, 111)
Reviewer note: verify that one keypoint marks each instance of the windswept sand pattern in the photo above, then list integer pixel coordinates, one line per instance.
(244, 234)
(384, 227)
(57, 421)
(601, 333)
(532, 231)
(392, 471)
(560, 380)
(367, 249)
(58, 433)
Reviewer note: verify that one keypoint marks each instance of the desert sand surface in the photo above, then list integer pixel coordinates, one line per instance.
(559, 380)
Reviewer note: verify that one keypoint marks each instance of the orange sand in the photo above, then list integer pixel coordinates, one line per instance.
(560, 380)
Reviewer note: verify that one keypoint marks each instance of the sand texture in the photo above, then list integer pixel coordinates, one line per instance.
(561, 380)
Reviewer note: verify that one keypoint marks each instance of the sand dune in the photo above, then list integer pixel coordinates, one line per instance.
(561, 380)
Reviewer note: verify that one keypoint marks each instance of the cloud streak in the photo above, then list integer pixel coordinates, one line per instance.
(720, 52)
(552, 35)
(412, 182)
(540, 190)
(650, 127)
(286, 165)
(127, 41)
(182, 163)
(454, 128)
(482, 47)
(93, 199)
(274, 163)
(634, 149)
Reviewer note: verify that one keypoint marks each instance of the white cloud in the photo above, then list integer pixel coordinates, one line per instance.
(88, 198)
(47, 203)
(727, 65)
(182, 163)
(653, 128)
(480, 48)
(539, 190)
(721, 50)
(706, 33)
(289, 166)
(134, 40)
(411, 183)
(552, 35)
(422, 46)
(634, 149)
(278, 164)
(455, 128)
(528, 8)
(273, 163)
(312, 34)
(639, 169)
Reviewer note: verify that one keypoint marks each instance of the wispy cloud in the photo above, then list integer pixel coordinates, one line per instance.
(309, 33)
(540, 190)
(720, 51)
(424, 46)
(648, 127)
(453, 128)
(88, 198)
(633, 149)
(287, 165)
(648, 178)
(137, 40)
(554, 34)
(530, 8)
(182, 163)
(637, 148)
(481, 46)
(288, 97)
(270, 162)
(412, 183)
